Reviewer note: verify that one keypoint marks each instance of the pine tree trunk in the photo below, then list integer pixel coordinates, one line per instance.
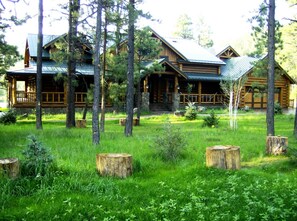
(74, 6)
(295, 122)
(271, 66)
(95, 117)
(39, 68)
(9, 167)
(102, 120)
(118, 165)
(130, 73)
(224, 157)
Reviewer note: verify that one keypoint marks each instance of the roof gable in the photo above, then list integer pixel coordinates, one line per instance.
(228, 52)
(32, 40)
(189, 50)
(50, 40)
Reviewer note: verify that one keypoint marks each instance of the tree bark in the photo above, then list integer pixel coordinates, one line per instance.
(39, 68)
(224, 157)
(74, 6)
(130, 73)
(295, 122)
(118, 165)
(276, 145)
(102, 120)
(95, 120)
(9, 167)
(271, 65)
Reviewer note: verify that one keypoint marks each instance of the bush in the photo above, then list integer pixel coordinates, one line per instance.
(170, 143)
(8, 118)
(278, 108)
(38, 160)
(191, 111)
(211, 121)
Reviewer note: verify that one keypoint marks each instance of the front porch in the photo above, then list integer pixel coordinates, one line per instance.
(49, 99)
(171, 92)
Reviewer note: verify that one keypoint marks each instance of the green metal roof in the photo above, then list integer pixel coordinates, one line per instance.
(236, 67)
(203, 77)
(52, 68)
(32, 43)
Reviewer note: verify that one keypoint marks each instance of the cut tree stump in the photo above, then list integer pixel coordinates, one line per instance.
(225, 157)
(276, 145)
(9, 167)
(122, 121)
(81, 123)
(114, 164)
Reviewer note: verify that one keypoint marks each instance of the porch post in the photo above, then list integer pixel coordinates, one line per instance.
(13, 91)
(199, 92)
(145, 96)
(145, 101)
(145, 84)
(175, 96)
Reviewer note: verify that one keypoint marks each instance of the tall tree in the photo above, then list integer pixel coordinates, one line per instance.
(267, 39)
(271, 66)
(232, 86)
(95, 120)
(289, 54)
(74, 7)
(102, 116)
(39, 67)
(203, 33)
(130, 72)
(184, 27)
(9, 54)
(147, 49)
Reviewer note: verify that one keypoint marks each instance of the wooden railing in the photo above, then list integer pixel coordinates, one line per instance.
(48, 97)
(213, 99)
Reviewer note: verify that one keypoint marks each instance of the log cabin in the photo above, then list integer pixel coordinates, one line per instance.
(191, 74)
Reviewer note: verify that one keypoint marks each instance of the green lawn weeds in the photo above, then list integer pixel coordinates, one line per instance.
(264, 189)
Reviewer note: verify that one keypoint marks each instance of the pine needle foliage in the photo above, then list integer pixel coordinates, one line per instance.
(170, 143)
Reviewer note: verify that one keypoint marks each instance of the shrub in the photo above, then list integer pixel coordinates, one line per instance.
(38, 160)
(191, 111)
(278, 108)
(8, 118)
(211, 121)
(170, 143)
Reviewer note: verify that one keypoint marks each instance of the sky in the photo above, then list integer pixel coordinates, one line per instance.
(228, 19)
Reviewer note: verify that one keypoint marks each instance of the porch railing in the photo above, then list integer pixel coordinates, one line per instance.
(48, 97)
(214, 99)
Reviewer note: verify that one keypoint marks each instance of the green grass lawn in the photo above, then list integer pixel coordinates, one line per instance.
(264, 189)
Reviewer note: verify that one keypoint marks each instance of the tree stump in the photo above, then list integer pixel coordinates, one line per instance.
(114, 164)
(81, 123)
(9, 167)
(225, 157)
(122, 121)
(276, 145)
